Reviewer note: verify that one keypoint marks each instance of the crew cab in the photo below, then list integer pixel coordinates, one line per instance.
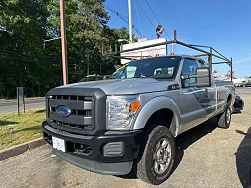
(129, 122)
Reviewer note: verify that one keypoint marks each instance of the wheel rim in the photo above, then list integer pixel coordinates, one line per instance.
(162, 156)
(228, 116)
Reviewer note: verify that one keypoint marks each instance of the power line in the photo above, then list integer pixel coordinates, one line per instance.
(122, 17)
(152, 11)
(149, 20)
(159, 22)
(137, 12)
(156, 17)
(117, 13)
(125, 19)
(154, 14)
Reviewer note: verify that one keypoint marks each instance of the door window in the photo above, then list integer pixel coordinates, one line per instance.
(189, 69)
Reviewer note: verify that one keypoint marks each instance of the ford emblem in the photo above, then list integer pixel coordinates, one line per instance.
(63, 111)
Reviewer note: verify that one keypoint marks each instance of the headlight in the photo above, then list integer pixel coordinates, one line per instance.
(120, 111)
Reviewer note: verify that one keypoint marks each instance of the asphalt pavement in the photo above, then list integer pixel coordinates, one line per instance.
(206, 157)
(7, 106)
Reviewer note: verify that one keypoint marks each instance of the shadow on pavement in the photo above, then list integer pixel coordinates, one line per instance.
(243, 159)
(186, 139)
(6, 123)
(183, 141)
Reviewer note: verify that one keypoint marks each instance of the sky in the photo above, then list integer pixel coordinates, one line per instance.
(222, 24)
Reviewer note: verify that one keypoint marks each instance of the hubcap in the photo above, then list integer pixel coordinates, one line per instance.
(228, 117)
(162, 156)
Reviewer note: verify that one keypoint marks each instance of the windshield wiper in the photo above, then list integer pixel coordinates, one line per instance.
(160, 77)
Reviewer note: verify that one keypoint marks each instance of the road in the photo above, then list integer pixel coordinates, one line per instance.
(7, 106)
(206, 157)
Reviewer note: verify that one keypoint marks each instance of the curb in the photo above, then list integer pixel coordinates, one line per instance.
(21, 148)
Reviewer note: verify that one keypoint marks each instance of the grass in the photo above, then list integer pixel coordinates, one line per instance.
(16, 129)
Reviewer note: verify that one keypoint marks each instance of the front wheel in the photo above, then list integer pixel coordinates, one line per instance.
(224, 119)
(157, 156)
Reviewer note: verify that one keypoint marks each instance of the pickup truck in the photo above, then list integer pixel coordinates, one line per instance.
(129, 123)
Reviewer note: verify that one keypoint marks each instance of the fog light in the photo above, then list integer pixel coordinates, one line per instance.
(114, 149)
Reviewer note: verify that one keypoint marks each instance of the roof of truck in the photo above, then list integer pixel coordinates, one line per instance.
(178, 55)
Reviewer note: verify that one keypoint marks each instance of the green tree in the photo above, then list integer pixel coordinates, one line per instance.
(26, 60)
(21, 47)
(85, 20)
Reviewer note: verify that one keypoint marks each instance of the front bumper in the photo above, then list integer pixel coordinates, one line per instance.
(111, 153)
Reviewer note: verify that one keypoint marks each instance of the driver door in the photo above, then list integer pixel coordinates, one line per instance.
(194, 101)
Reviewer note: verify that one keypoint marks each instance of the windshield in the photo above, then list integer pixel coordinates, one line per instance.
(159, 68)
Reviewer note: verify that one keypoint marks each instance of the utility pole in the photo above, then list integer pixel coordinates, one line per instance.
(63, 42)
(88, 62)
(130, 20)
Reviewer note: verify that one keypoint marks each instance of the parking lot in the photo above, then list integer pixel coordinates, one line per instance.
(206, 157)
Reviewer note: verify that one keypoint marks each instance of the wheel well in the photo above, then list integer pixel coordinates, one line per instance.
(161, 117)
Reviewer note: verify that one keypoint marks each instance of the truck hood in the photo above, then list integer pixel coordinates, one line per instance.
(124, 87)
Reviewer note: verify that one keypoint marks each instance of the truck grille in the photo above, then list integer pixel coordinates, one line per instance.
(81, 115)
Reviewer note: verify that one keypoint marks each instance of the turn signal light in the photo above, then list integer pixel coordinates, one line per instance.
(135, 106)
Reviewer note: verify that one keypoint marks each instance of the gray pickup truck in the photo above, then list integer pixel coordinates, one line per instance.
(129, 123)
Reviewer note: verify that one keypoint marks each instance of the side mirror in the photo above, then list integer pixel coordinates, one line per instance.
(202, 78)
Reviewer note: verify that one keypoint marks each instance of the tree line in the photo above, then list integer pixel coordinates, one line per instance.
(28, 60)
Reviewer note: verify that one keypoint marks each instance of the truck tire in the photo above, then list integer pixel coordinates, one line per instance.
(224, 119)
(157, 156)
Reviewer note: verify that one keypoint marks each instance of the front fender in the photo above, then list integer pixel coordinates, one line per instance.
(153, 106)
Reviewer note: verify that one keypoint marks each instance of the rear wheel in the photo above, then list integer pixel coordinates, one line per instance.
(224, 119)
(157, 156)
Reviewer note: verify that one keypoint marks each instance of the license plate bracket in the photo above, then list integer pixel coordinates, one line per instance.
(59, 144)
